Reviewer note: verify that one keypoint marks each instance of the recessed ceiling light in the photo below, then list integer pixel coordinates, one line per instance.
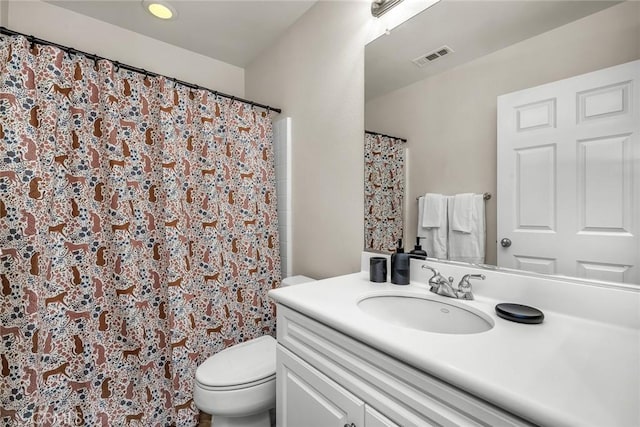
(160, 9)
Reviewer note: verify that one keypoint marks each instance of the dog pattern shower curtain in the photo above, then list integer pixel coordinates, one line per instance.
(383, 191)
(138, 235)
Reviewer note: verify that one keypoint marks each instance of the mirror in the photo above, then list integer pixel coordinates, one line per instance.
(446, 106)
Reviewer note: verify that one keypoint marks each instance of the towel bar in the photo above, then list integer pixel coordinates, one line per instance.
(485, 196)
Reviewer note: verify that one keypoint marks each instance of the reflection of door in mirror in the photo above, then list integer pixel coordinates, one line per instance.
(567, 183)
(384, 176)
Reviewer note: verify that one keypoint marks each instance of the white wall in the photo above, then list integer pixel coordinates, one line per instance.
(450, 119)
(315, 72)
(81, 32)
(282, 154)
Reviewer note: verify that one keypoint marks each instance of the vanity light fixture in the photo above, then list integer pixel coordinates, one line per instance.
(160, 9)
(379, 7)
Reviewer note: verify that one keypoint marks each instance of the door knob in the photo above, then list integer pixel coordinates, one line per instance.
(350, 425)
(505, 243)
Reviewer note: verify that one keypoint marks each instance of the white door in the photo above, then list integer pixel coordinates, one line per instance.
(569, 176)
(306, 397)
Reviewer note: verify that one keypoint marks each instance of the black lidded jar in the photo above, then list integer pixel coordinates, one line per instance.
(400, 266)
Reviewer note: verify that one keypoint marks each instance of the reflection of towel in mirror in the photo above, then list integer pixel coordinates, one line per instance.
(462, 212)
(434, 210)
(468, 247)
(434, 238)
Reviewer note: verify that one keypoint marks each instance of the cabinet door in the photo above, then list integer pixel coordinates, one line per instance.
(373, 418)
(306, 397)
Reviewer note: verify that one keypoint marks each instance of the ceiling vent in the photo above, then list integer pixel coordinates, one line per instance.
(434, 55)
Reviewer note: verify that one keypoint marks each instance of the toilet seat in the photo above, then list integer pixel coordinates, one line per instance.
(237, 386)
(241, 366)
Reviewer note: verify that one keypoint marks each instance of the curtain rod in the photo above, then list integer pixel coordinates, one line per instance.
(71, 51)
(382, 134)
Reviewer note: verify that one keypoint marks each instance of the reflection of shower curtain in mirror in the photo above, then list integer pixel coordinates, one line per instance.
(383, 191)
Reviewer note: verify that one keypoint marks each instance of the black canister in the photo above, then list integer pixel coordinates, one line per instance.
(378, 269)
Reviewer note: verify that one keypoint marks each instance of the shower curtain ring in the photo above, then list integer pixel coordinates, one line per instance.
(70, 52)
(31, 41)
(117, 64)
(95, 61)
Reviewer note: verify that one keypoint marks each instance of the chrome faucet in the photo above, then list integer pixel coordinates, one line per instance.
(441, 285)
(444, 286)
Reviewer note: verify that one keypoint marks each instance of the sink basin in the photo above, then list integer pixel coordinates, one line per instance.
(412, 311)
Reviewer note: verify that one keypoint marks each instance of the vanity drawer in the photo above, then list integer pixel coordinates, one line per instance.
(404, 395)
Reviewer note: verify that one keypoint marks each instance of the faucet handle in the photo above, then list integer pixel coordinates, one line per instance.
(426, 267)
(473, 276)
(464, 282)
(464, 287)
(434, 281)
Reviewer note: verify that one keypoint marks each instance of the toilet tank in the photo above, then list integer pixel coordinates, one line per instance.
(296, 280)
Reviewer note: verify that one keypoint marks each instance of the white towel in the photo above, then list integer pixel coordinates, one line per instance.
(462, 212)
(469, 247)
(434, 239)
(434, 210)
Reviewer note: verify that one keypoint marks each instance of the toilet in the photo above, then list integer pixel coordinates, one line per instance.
(237, 386)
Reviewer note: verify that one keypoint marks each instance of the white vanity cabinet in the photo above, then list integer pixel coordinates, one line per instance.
(373, 418)
(328, 379)
(311, 399)
(308, 398)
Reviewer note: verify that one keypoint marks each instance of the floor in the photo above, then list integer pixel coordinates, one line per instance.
(205, 419)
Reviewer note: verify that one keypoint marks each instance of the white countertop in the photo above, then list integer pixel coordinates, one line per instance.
(567, 371)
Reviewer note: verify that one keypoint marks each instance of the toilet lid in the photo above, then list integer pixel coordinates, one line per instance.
(240, 364)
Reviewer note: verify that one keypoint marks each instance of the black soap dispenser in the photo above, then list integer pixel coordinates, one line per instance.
(417, 251)
(400, 266)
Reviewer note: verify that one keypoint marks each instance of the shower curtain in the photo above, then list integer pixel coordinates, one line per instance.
(138, 234)
(383, 191)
